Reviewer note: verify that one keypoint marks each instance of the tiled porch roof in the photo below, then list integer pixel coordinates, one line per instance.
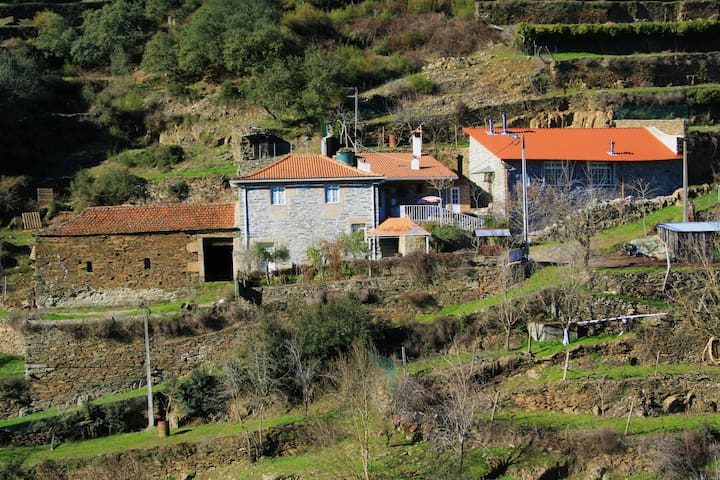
(306, 167)
(398, 227)
(397, 166)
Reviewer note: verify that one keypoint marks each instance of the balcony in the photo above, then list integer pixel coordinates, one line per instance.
(432, 213)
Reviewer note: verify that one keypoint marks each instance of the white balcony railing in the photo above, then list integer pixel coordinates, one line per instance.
(432, 213)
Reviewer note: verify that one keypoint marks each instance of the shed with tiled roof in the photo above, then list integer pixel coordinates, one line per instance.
(128, 252)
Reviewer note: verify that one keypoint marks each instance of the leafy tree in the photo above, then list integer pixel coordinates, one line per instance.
(55, 35)
(254, 51)
(267, 254)
(20, 75)
(11, 197)
(120, 24)
(160, 54)
(111, 187)
(276, 89)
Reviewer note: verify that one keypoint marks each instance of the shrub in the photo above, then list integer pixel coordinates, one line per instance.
(198, 395)
(15, 391)
(179, 190)
(419, 83)
(418, 299)
(326, 329)
(419, 265)
(114, 186)
(446, 238)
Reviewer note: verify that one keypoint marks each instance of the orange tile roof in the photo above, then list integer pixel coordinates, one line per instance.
(125, 219)
(398, 227)
(306, 167)
(396, 166)
(576, 144)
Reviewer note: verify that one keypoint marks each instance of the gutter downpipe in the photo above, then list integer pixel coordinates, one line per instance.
(247, 220)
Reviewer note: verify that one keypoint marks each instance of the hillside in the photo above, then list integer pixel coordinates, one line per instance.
(161, 93)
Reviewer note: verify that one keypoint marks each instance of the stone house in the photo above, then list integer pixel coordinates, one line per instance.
(147, 249)
(301, 200)
(609, 159)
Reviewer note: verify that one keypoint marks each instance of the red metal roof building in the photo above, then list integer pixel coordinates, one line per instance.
(608, 158)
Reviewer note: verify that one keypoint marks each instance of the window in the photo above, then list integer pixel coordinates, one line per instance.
(455, 196)
(277, 195)
(601, 173)
(146, 263)
(555, 173)
(332, 194)
(88, 267)
(357, 227)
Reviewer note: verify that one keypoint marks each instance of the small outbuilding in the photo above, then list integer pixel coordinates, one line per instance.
(400, 236)
(693, 242)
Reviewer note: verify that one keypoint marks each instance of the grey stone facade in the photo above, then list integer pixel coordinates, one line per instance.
(305, 219)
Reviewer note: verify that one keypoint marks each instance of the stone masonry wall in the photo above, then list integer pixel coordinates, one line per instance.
(306, 219)
(11, 343)
(71, 266)
(64, 368)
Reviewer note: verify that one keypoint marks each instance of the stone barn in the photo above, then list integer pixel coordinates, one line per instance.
(121, 254)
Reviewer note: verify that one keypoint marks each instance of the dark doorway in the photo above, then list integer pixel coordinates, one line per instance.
(217, 254)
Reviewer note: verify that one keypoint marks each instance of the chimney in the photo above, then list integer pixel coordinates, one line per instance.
(491, 131)
(417, 143)
(459, 159)
(416, 149)
(504, 130)
(612, 148)
(362, 165)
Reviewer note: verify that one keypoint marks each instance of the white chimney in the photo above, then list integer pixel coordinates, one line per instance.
(491, 131)
(363, 165)
(612, 148)
(504, 119)
(416, 149)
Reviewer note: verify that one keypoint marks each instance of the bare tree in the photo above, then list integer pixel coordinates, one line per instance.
(461, 398)
(642, 189)
(361, 388)
(304, 370)
(440, 185)
(508, 311)
(405, 406)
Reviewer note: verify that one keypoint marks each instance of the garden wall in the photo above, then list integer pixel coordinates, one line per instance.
(66, 365)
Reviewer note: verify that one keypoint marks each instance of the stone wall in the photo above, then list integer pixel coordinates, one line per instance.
(200, 190)
(305, 218)
(82, 270)
(65, 366)
(11, 342)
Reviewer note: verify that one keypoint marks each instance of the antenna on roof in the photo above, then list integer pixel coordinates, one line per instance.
(612, 149)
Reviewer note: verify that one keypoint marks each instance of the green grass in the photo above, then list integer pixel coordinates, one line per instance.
(11, 366)
(542, 278)
(551, 374)
(609, 240)
(638, 425)
(215, 171)
(144, 439)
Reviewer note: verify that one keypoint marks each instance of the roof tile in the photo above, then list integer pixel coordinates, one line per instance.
(576, 144)
(305, 167)
(150, 218)
(397, 165)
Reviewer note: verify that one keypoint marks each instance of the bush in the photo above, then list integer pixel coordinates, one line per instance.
(419, 265)
(327, 329)
(446, 238)
(179, 190)
(114, 186)
(198, 395)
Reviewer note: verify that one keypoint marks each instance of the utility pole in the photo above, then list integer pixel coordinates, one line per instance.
(685, 180)
(355, 131)
(526, 224)
(151, 417)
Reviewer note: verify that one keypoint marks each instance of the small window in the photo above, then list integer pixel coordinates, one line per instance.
(277, 195)
(88, 267)
(332, 194)
(601, 173)
(146, 263)
(556, 173)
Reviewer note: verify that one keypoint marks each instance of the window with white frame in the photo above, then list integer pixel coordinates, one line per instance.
(277, 195)
(601, 173)
(332, 194)
(555, 173)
